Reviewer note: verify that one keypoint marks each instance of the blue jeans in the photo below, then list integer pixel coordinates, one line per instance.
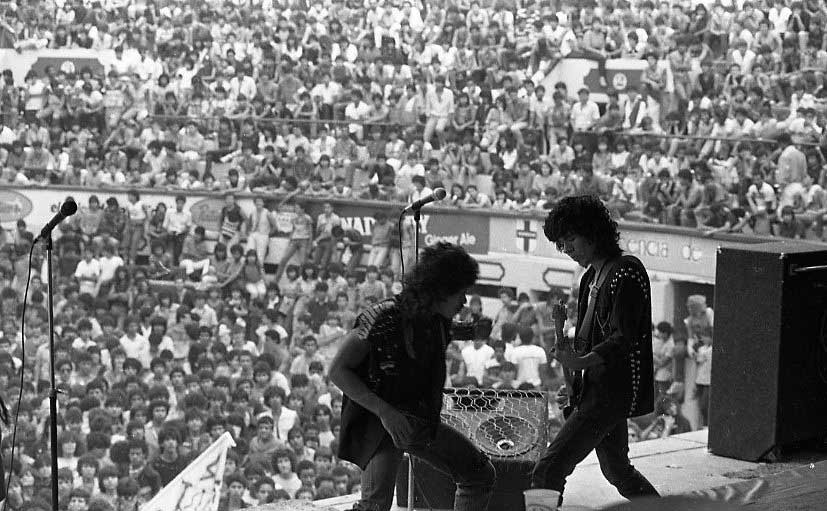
(449, 452)
(607, 433)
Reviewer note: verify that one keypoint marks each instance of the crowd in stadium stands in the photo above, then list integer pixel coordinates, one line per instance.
(387, 99)
(159, 354)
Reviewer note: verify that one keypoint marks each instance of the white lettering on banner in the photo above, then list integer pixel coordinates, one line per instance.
(364, 224)
(651, 248)
(463, 239)
(692, 253)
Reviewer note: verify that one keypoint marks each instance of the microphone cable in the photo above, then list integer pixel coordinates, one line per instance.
(22, 366)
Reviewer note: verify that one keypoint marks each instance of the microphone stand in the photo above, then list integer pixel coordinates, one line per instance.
(417, 217)
(47, 241)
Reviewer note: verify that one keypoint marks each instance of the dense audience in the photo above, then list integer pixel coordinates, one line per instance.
(160, 351)
(385, 99)
(167, 336)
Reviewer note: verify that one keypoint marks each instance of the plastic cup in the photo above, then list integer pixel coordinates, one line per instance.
(541, 500)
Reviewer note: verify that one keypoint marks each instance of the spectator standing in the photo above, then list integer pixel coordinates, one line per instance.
(177, 223)
(701, 352)
(137, 214)
(662, 348)
(261, 225)
(324, 243)
(584, 113)
(381, 231)
(300, 239)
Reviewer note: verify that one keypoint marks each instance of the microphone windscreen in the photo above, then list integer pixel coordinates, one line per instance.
(440, 193)
(68, 208)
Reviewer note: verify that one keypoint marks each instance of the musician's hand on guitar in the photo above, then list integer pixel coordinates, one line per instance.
(559, 313)
(562, 397)
(567, 358)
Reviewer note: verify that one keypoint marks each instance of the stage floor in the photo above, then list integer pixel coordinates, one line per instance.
(676, 465)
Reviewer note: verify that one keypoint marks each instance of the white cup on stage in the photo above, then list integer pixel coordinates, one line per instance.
(541, 500)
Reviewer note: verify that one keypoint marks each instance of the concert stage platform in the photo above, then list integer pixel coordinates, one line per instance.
(682, 465)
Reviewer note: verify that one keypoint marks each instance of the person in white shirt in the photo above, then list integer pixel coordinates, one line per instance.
(261, 224)
(478, 353)
(137, 213)
(700, 350)
(134, 344)
(530, 359)
(584, 113)
(88, 272)
(439, 106)
(178, 223)
(356, 110)
(419, 189)
(109, 262)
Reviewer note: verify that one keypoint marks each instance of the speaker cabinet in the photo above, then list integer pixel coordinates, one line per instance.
(510, 426)
(769, 370)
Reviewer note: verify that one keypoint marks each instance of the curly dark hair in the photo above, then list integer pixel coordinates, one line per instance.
(587, 216)
(443, 269)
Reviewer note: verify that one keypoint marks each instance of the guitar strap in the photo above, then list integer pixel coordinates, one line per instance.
(583, 336)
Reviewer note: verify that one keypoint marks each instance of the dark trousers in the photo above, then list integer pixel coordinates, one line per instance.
(176, 242)
(449, 452)
(605, 432)
(702, 395)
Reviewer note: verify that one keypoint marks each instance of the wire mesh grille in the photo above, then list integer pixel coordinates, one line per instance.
(502, 423)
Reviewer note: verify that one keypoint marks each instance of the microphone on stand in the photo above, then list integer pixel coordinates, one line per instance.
(438, 194)
(68, 208)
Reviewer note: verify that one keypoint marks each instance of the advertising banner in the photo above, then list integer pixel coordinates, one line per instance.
(622, 75)
(464, 228)
(659, 251)
(20, 63)
(36, 206)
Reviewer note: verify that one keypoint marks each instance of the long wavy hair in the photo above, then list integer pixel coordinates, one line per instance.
(587, 216)
(443, 269)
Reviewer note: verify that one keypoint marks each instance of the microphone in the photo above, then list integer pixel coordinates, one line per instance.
(438, 194)
(68, 208)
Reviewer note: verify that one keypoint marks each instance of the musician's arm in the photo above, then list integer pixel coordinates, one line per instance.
(353, 352)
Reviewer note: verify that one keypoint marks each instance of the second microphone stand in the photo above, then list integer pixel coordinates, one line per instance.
(47, 242)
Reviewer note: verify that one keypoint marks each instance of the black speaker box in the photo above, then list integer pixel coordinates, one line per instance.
(510, 426)
(769, 370)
